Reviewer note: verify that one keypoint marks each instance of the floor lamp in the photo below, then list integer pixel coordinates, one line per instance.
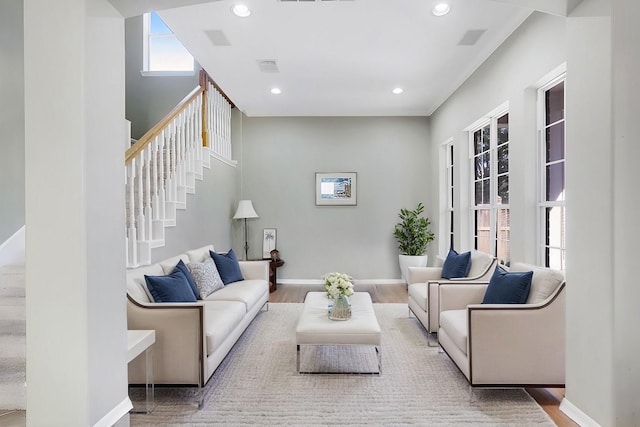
(245, 210)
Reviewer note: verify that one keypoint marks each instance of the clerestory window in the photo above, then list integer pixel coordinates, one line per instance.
(163, 53)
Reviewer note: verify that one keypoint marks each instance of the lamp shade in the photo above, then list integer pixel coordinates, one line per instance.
(245, 210)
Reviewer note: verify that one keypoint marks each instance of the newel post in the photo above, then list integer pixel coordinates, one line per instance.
(205, 128)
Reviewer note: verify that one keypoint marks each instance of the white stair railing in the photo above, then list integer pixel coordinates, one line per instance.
(163, 165)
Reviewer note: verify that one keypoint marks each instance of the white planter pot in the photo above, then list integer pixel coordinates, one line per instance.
(407, 261)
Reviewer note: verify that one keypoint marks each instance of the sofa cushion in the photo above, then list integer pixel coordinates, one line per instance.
(418, 291)
(543, 283)
(508, 287)
(182, 267)
(170, 263)
(220, 319)
(454, 322)
(248, 292)
(199, 254)
(456, 265)
(206, 277)
(170, 288)
(228, 266)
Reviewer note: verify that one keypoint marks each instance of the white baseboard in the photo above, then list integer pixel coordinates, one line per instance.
(114, 416)
(318, 282)
(579, 417)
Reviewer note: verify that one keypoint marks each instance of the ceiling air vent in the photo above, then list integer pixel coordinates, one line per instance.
(471, 37)
(268, 65)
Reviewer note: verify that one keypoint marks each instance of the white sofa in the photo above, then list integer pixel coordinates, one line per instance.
(424, 283)
(192, 339)
(507, 345)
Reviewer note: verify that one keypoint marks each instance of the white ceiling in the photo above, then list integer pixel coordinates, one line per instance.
(343, 57)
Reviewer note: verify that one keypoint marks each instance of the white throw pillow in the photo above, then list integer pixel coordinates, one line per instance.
(206, 276)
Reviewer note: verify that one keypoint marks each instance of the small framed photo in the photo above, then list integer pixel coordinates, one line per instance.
(268, 242)
(337, 188)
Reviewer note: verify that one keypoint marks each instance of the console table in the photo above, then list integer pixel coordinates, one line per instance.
(139, 341)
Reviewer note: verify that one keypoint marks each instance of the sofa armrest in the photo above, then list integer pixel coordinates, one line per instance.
(423, 274)
(535, 334)
(255, 270)
(459, 295)
(180, 340)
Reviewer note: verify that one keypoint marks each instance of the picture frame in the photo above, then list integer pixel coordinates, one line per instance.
(268, 242)
(336, 189)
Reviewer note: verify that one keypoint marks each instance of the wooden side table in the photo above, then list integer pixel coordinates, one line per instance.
(273, 266)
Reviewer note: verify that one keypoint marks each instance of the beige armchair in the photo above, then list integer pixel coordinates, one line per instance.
(507, 345)
(424, 283)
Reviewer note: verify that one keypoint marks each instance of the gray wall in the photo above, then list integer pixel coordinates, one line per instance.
(149, 98)
(602, 96)
(279, 158)
(536, 48)
(11, 118)
(207, 219)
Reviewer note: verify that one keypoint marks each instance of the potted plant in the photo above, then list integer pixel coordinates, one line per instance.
(413, 236)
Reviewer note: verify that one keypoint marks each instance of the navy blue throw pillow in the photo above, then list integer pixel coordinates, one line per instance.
(456, 265)
(180, 266)
(508, 287)
(228, 266)
(170, 288)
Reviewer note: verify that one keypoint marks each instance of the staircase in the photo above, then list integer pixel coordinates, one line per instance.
(164, 164)
(161, 169)
(13, 389)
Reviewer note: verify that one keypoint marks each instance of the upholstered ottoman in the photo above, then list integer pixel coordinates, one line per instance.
(315, 328)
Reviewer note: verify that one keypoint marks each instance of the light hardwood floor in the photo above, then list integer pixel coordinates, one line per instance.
(548, 398)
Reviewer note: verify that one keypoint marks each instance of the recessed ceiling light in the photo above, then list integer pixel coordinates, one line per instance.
(398, 90)
(441, 9)
(276, 91)
(241, 10)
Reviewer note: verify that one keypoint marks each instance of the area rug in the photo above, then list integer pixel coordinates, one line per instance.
(257, 384)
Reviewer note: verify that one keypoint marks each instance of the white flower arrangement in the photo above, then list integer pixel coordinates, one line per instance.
(338, 284)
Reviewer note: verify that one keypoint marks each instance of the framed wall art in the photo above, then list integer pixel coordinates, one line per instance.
(336, 188)
(268, 242)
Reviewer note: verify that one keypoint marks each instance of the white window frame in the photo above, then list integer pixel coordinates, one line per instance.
(447, 195)
(493, 207)
(146, 52)
(543, 204)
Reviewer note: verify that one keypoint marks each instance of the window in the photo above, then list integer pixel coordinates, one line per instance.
(552, 194)
(490, 188)
(162, 51)
(450, 193)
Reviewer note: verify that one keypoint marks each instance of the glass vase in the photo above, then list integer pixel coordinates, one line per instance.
(341, 308)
